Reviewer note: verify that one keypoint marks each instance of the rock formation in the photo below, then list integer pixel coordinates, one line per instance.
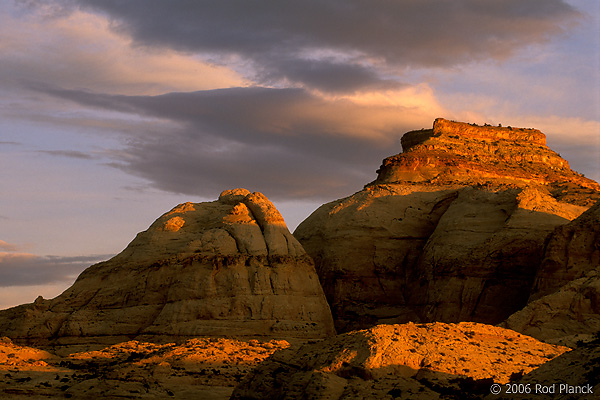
(564, 306)
(227, 267)
(572, 251)
(398, 362)
(451, 230)
(567, 316)
(456, 152)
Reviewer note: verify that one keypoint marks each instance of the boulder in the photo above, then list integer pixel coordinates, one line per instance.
(227, 267)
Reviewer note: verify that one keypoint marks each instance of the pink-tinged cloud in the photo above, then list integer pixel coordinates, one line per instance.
(78, 49)
(7, 246)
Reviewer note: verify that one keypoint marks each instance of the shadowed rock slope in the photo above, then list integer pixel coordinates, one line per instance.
(452, 229)
(565, 304)
(227, 267)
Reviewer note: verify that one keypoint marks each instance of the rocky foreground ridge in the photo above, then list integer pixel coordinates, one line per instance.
(406, 361)
(228, 267)
(453, 229)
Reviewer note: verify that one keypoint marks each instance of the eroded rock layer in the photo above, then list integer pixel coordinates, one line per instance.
(228, 267)
(453, 229)
(457, 152)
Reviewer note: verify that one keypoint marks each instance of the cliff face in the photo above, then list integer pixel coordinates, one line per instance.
(452, 229)
(228, 267)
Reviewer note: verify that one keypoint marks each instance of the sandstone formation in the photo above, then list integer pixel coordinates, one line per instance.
(565, 317)
(452, 229)
(456, 152)
(565, 304)
(227, 267)
(407, 361)
(572, 251)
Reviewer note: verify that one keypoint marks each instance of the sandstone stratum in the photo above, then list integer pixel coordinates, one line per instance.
(453, 228)
(227, 267)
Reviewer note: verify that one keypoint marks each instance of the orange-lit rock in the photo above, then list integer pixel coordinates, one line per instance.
(410, 361)
(201, 368)
(457, 152)
(578, 371)
(452, 229)
(227, 267)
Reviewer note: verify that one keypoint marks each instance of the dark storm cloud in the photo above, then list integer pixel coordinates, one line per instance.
(287, 142)
(22, 269)
(300, 40)
(327, 76)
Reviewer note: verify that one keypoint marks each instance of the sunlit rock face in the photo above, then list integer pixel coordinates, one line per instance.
(227, 267)
(461, 153)
(451, 230)
(409, 361)
(564, 306)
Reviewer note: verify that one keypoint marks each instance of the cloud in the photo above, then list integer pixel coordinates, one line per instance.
(50, 43)
(286, 142)
(301, 40)
(296, 99)
(68, 153)
(324, 75)
(7, 246)
(24, 269)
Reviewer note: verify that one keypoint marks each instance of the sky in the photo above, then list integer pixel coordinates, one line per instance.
(113, 112)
